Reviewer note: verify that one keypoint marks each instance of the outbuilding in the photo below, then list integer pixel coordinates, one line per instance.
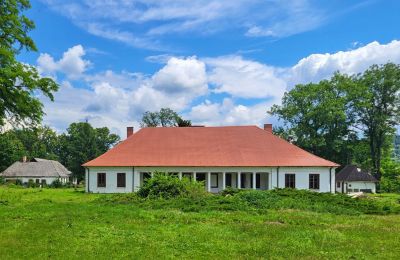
(41, 171)
(353, 179)
(243, 157)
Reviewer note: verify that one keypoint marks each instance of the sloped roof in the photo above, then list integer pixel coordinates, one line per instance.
(353, 173)
(36, 168)
(207, 146)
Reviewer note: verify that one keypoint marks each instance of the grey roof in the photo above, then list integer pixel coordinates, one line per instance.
(353, 173)
(36, 168)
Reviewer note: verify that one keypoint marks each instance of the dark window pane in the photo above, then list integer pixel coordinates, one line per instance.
(200, 176)
(101, 180)
(228, 182)
(242, 180)
(313, 181)
(146, 176)
(258, 181)
(121, 180)
(290, 181)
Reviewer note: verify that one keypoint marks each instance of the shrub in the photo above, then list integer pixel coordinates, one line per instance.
(2, 180)
(31, 184)
(18, 182)
(230, 191)
(56, 184)
(165, 186)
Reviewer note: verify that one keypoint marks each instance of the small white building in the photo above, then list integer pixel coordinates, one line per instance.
(40, 171)
(244, 157)
(352, 179)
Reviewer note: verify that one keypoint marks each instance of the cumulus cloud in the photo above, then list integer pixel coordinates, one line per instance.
(71, 64)
(194, 87)
(245, 78)
(228, 113)
(320, 66)
(178, 75)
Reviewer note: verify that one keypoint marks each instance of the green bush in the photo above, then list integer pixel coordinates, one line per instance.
(230, 191)
(163, 185)
(2, 180)
(31, 184)
(56, 184)
(18, 182)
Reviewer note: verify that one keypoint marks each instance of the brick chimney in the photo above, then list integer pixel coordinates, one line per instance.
(129, 131)
(268, 127)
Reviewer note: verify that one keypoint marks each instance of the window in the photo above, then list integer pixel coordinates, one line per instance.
(313, 181)
(101, 180)
(43, 182)
(121, 180)
(200, 176)
(228, 180)
(214, 180)
(290, 181)
(338, 184)
(146, 176)
(37, 181)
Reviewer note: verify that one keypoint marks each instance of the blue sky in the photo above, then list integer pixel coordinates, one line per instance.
(215, 62)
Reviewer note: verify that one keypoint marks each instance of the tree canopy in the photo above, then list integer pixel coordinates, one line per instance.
(18, 81)
(346, 117)
(166, 117)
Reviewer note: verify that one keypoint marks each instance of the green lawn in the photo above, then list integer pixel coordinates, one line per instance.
(63, 223)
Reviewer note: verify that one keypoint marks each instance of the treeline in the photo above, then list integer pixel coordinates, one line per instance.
(79, 144)
(348, 119)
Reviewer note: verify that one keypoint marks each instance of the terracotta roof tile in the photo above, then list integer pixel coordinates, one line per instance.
(207, 146)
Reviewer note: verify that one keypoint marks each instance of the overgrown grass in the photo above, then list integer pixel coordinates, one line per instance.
(261, 201)
(70, 224)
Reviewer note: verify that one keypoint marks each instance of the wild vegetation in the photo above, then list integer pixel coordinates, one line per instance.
(68, 223)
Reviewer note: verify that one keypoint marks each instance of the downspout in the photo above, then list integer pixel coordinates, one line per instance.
(330, 180)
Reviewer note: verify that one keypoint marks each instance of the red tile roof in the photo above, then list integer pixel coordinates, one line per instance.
(207, 146)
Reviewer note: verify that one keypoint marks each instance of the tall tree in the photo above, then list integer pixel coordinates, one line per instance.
(83, 143)
(11, 150)
(316, 117)
(166, 117)
(41, 142)
(19, 81)
(376, 105)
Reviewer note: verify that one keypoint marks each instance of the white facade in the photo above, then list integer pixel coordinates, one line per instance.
(263, 178)
(355, 186)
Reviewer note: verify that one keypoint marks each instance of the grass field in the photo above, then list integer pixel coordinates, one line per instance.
(68, 224)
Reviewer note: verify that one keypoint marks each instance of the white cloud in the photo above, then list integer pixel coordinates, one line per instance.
(320, 66)
(71, 64)
(182, 75)
(227, 113)
(249, 88)
(245, 78)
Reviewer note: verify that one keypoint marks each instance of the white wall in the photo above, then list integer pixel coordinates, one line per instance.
(111, 179)
(269, 175)
(302, 177)
(358, 185)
